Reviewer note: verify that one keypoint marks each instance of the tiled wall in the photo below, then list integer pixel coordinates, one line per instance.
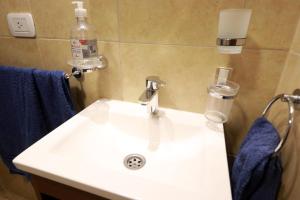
(290, 80)
(174, 39)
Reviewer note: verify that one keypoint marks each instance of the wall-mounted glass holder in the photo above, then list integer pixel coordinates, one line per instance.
(220, 100)
(85, 66)
(232, 30)
(221, 95)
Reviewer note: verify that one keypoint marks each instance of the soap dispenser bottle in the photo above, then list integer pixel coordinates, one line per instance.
(83, 41)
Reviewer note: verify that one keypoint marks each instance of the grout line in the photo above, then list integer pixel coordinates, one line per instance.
(149, 43)
(55, 39)
(266, 49)
(119, 47)
(292, 52)
(48, 38)
(201, 46)
(40, 53)
(282, 72)
(167, 44)
(37, 44)
(6, 37)
(294, 39)
(29, 5)
(118, 19)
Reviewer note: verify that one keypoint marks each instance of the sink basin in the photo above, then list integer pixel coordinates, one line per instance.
(185, 155)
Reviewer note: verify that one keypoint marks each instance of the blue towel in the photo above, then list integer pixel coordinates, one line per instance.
(256, 174)
(33, 103)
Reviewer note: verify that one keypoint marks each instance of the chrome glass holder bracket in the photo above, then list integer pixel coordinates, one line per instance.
(231, 41)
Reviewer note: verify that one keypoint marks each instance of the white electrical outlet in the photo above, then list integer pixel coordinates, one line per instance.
(21, 24)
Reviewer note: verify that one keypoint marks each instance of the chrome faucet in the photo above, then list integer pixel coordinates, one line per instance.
(150, 95)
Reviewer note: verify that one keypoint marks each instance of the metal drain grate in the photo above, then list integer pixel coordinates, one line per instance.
(134, 161)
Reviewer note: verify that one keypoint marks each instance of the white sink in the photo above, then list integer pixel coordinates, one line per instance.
(185, 157)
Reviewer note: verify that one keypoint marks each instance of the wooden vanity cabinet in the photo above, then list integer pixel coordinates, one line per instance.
(50, 190)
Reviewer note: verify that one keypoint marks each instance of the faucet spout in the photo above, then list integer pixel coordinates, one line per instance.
(149, 97)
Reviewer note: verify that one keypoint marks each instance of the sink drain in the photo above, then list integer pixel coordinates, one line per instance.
(134, 161)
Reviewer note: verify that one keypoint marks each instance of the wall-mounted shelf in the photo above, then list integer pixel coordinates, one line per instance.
(80, 67)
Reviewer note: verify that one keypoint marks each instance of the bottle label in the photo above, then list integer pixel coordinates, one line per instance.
(82, 49)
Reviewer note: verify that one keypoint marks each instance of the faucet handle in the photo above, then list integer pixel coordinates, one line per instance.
(154, 83)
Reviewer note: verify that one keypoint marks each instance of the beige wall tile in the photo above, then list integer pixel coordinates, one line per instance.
(192, 22)
(290, 159)
(258, 73)
(296, 41)
(7, 6)
(53, 19)
(186, 70)
(55, 54)
(19, 52)
(290, 153)
(290, 78)
(105, 83)
(273, 23)
(104, 17)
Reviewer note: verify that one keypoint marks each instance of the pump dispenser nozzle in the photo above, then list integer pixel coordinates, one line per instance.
(79, 10)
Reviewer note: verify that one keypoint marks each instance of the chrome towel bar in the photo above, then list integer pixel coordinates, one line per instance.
(76, 74)
(291, 100)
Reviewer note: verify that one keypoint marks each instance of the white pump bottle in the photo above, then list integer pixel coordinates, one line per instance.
(83, 40)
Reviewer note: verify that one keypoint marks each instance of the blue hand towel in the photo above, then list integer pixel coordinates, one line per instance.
(256, 174)
(33, 103)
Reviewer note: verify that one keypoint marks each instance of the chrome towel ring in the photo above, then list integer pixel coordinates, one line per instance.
(291, 100)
